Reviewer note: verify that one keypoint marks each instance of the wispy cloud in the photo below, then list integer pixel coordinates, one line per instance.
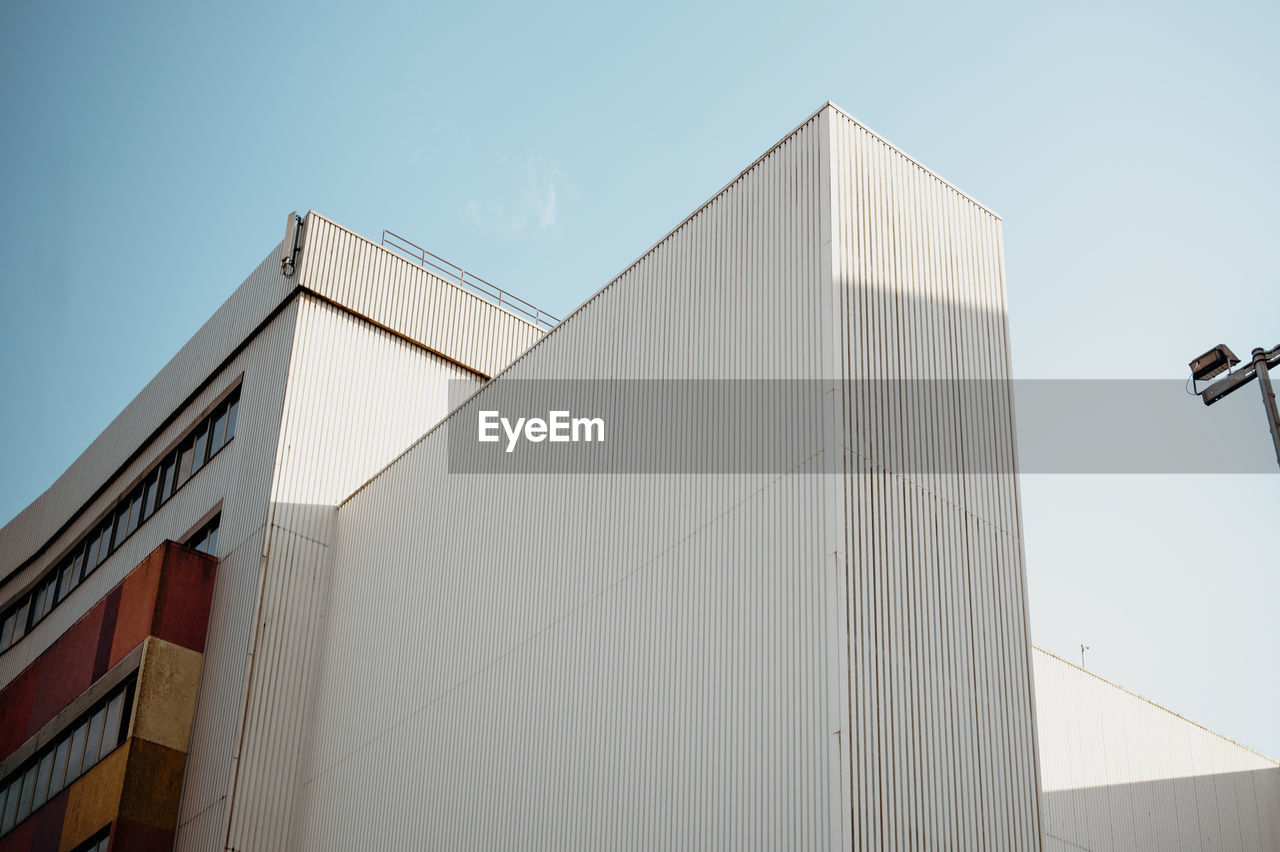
(532, 204)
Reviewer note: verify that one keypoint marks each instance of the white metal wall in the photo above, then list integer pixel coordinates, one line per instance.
(359, 274)
(939, 671)
(356, 397)
(656, 660)
(1122, 773)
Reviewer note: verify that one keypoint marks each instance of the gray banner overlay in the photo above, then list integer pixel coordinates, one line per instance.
(894, 427)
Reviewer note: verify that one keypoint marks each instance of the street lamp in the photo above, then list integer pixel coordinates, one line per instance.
(1220, 358)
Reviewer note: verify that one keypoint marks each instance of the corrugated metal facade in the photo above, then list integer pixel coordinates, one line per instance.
(356, 397)
(764, 661)
(357, 386)
(943, 749)
(381, 286)
(1121, 773)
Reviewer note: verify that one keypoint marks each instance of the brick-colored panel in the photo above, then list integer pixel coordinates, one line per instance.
(47, 832)
(185, 597)
(137, 604)
(136, 837)
(15, 710)
(110, 609)
(21, 839)
(64, 671)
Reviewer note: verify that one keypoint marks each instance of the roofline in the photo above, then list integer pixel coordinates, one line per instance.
(1143, 698)
(486, 302)
(613, 280)
(914, 161)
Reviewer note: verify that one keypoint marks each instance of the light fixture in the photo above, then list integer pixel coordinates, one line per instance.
(1213, 362)
(1220, 358)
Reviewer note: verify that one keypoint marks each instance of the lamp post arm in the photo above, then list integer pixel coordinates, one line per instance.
(1238, 379)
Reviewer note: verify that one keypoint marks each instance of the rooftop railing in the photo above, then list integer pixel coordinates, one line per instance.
(456, 274)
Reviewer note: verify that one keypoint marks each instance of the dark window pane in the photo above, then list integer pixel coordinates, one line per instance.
(20, 624)
(4, 800)
(50, 591)
(78, 570)
(166, 481)
(67, 579)
(135, 512)
(37, 608)
(76, 757)
(185, 455)
(212, 548)
(148, 497)
(122, 524)
(6, 630)
(218, 435)
(202, 447)
(93, 744)
(43, 772)
(232, 411)
(104, 543)
(11, 805)
(28, 793)
(111, 733)
(93, 556)
(59, 766)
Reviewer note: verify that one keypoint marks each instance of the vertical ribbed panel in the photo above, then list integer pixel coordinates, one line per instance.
(261, 293)
(943, 747)
(356, 397)
(1121, 773)
(398, 294)
(598, 661)
(244, 494)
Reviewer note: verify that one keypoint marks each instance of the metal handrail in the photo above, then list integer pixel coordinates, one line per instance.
(452, 272)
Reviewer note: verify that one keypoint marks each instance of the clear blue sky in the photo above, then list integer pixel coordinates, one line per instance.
(151, 152)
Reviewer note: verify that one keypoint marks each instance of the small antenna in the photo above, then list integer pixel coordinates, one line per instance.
(1083, 648)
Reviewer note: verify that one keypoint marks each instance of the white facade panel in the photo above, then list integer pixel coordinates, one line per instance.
(356, 397)
(382, 286)
(1122, 773)
(943, 750)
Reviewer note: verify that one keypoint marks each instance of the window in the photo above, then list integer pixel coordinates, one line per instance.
(73, 752)
(201, 448)
(166, 481)
(97, 843)
(148, 498)
(218, 436)
(67, 579)
(206, 540)
(186, 453)
(196, 449)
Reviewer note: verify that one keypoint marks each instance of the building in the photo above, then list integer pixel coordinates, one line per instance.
(411, 639)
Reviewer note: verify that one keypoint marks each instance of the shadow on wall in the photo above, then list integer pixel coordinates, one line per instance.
(1230, 810)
